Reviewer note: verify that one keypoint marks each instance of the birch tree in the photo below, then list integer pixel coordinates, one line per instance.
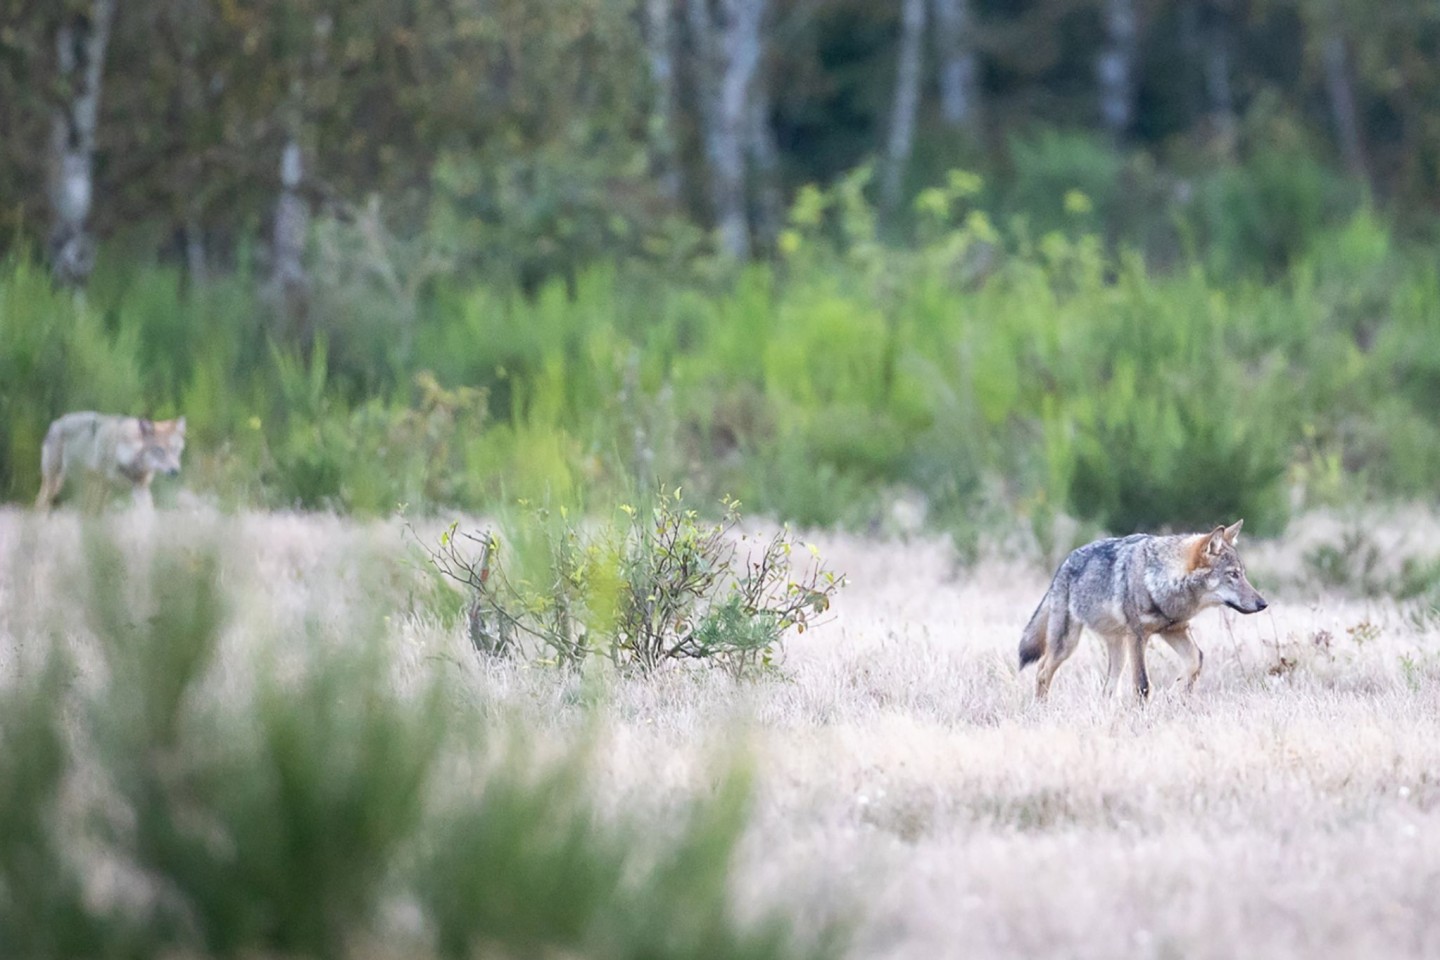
(292, 223)
(728, 42)
(1206, 36)
(765, 160)
(901, 140)
(1340, 90)
(81, 41)
(1115, 67)
(958, 66)
(659, 48)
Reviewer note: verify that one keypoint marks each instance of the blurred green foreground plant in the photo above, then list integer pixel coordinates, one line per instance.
(153, 802)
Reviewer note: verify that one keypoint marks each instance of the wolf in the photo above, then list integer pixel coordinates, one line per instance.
(109, 449)
(1129, 588)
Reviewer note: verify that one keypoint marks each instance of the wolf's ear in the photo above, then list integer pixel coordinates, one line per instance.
(1215, 543)
(180, 429)
(1232, 532)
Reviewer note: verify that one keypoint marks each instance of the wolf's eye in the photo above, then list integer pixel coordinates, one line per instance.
(1234, 574)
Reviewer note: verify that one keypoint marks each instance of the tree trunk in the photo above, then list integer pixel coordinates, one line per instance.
(1206, 39)
(742, 61)
(728, 58)
(196, 260)
(80, 45)
(959, 69)
(1335, 59)
(901, 140)
(1215, 39)
(1115, 68)
(287, 248)
(765, 156)
(660, 50)
(705, 64)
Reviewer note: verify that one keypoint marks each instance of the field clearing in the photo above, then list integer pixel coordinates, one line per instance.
(1289, 807)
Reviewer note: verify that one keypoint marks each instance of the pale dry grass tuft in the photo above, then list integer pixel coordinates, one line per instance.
(1289, 808)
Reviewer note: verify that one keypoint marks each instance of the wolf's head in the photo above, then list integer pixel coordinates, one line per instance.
(1225, 580)
(161, 443)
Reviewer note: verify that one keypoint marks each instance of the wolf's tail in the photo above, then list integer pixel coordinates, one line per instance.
(1032, 640)
(1055, 603)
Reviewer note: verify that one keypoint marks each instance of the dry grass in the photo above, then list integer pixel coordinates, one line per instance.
(1289, 808)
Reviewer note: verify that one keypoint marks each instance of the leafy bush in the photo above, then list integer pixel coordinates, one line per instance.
(1260, 216)
(1066, 181)
(377, 456)
(661, 585)
(1177, 459)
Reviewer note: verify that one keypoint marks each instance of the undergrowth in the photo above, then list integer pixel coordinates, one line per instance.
(996, 358)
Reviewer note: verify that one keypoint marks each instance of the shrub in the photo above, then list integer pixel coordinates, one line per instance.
(1259, 216)
(1065, 181)
(378, 455)
(660, 585)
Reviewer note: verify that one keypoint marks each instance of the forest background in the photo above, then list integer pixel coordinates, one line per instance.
(1145, 264)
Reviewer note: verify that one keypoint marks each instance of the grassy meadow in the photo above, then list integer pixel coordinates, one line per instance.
(899, 794)
(626, 440)
(259, 722)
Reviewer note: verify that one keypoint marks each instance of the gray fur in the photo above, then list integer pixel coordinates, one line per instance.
(109, 451)
(1127, 589)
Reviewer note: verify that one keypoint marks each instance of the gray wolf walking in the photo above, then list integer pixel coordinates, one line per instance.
(1128, 588)
(109, 449)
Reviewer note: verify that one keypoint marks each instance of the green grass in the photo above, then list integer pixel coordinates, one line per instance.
(1054, 369)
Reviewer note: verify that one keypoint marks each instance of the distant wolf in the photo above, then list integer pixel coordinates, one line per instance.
(1128, 588)
(109, 449)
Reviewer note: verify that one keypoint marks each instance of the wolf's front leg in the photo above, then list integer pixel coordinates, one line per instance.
(1184, 646)
(143, 499)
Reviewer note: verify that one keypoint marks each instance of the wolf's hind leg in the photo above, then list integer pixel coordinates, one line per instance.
(1135, 644)
(1115, 647)
(1061, 641)
(1184, 646)
(52, 476)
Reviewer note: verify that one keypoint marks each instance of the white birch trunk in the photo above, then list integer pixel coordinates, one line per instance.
(1216, 66)
(292, 219)
(1115, 67)
(959, 68)
(901, 140)
(287, 246)
(80, 45)
(705, 66)
(660, 51)
(1206, 39)
(728, 47)
(741, 46)
(765, 157)
(1335, 58)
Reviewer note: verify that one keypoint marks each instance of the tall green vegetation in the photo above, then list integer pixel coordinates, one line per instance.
(983, 365)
